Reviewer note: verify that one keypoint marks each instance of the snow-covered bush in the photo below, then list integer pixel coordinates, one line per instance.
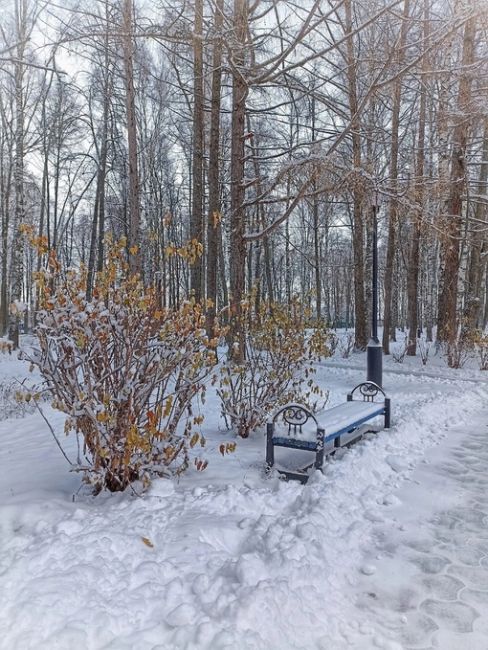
(6, 347)
(398, 355)
(124, 371)
(15, 400)
(481, 346)
(461, 348)
(277, 368)
(423, 348)
(332, 343)
(321, 342)
(346, 345)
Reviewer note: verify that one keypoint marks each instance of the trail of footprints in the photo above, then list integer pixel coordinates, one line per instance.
(446, 571)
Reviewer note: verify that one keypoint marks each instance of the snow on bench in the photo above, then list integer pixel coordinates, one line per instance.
(295, 427)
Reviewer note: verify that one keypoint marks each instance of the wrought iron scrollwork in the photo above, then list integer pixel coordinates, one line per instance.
(369, 391)
(295, 416)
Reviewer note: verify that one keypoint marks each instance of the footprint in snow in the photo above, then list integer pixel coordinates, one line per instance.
(430, 563)
(417, 630)
(474, 577)
(474, 597)
(454, 616)
(443, 587)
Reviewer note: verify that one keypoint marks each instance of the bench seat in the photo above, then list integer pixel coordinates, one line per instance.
(335, 422)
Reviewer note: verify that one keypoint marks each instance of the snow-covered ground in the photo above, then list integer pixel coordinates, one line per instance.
(388, 548)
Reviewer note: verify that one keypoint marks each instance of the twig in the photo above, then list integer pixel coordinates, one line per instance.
(52, 432)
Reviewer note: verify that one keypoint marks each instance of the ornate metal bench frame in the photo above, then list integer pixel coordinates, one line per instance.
(297, 415)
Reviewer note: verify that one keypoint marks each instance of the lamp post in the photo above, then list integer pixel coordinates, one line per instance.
(374, 351)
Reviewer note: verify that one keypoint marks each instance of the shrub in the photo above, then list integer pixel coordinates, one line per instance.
(423, 348)
(16, 401)
(460, 348)
(124, 371)
(346, 345)
(332, 343)
(277, 369)
(6, 346)
(481, 346)
(399, 354)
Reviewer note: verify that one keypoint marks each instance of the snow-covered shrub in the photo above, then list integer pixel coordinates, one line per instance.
(332, 342)
(277, 369)
(6, 347)
(124, 371)
(399, 354)
(481, 346)
(461, 348)
(15, 400)
(346, 345)
(423, 348)
(483, 356)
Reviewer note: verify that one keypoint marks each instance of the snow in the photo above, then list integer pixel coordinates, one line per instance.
(430, 586)
(388, 548)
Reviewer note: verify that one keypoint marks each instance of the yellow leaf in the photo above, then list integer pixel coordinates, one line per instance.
(217, 218)
(147, 542)
(167, 406)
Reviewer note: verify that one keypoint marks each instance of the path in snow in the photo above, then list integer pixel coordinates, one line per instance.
(445, 373)
(428, 565)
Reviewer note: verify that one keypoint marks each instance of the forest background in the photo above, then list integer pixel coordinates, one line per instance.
(249, 149)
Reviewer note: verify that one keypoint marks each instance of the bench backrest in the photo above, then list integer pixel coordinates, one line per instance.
(295, 416)
(368, 390)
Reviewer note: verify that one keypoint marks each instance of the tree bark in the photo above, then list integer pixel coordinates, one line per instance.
(214, 208)
(130, 94)
(414, 252)
(196, 217)
(237, 169)
(17, 266)
(389, 322)
(472, 307)
(452, 223)
(361, 337)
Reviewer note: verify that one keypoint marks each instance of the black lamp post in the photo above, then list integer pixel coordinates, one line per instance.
(374, 351)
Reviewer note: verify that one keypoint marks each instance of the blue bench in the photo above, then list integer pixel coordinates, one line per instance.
(296, 427)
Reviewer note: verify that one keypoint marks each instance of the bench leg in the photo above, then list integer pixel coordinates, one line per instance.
(269, 445)
(387, 413)
(319, 453)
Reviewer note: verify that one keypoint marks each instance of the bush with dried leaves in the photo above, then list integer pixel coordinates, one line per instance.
(277, 369)
(125, 371)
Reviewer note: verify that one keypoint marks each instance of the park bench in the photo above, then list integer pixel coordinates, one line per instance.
(296, 427)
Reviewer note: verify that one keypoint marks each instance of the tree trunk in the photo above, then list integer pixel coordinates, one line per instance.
(316, 232)
(214, 209)
(196, 217)
(389, 322)
(237, 169)
(361, 337)
(414, 252)
(453, 221)
(17, 267)
(478, 245)
(134, 225)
